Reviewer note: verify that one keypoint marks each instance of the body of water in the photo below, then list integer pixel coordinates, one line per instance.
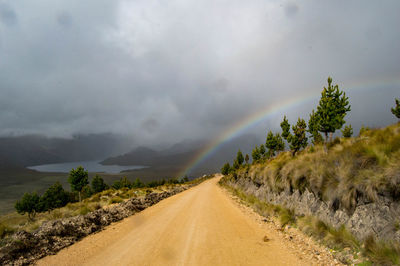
(91, 166)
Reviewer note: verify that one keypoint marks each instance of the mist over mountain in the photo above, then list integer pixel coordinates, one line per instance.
(182, 154)
(22, 151)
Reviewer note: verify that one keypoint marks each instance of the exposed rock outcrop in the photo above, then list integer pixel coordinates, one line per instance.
(379, 218)
(54, 235)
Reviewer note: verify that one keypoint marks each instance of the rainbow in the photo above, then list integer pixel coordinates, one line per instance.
(271, 110)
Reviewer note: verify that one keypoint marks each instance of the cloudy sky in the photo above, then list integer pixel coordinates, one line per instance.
(165, 71)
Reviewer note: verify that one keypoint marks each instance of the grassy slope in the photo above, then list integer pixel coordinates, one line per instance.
(350, 170)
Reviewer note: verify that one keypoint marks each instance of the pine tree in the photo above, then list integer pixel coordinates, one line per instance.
(271, 144)
(78, 179)
(255, 154)
(247, 158)
(299, 139)
(347, 131)
(225, 169)
(98, 184)
(333, 107)
(396, 110)
(240, 158)
(29, 203)
(54, 197)
(280, 144)
(262, 151)
(285, 128)
(235, 164)
(138, 183)
(313, 128)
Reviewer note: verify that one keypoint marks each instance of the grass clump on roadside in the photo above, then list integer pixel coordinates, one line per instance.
(382, 253)
(115, 199)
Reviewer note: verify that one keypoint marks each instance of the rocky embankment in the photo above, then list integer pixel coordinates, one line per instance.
(54, 235)
(380, 219)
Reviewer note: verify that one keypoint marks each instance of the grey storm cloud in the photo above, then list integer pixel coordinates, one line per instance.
(7, 15)
(166, 71)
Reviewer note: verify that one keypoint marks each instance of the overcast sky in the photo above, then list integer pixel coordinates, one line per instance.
(166, 71)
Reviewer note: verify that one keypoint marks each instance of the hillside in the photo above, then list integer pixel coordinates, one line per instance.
(352, 183)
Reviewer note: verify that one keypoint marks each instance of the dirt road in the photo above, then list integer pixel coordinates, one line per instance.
(201, 226)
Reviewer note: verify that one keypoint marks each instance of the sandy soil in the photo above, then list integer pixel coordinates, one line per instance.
(200, 226)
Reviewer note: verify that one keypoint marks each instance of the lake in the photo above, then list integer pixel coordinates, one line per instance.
(91, 166)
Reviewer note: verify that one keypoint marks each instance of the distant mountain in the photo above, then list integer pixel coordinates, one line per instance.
(182, 154)
(148, 157)
(31, 150)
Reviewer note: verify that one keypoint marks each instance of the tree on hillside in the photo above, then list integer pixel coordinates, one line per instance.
(280, 144)
(299, 139)
(29, 203)
(98, 184)
(262, 151)
(333, 107)
(235, 164)
(78, 179)
(246, 158)
(255, 154)
(138, 183)
(225, 169)
(270, 143)
(313, 128)
(396, 110)
(123, 182)
(347, 131)
(285, 128)
(240, 158)
(54, 197)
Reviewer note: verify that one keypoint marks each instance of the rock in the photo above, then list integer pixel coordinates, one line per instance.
(377, 218)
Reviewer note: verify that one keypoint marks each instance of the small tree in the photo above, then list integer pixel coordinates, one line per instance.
(240, 158)
(333, 107)
(313, 128)
(396, 110)
(54, 197)
(98, 184)
(246, 158)
(255, 154)
(271, 144)
(78, 179)
(280, 144)
(235, 165)
(138, 183)
(285, 128)
(225, 169)
(29, 203)
(262, 151)
(347, 131)
(298, 140)
(124, 182)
